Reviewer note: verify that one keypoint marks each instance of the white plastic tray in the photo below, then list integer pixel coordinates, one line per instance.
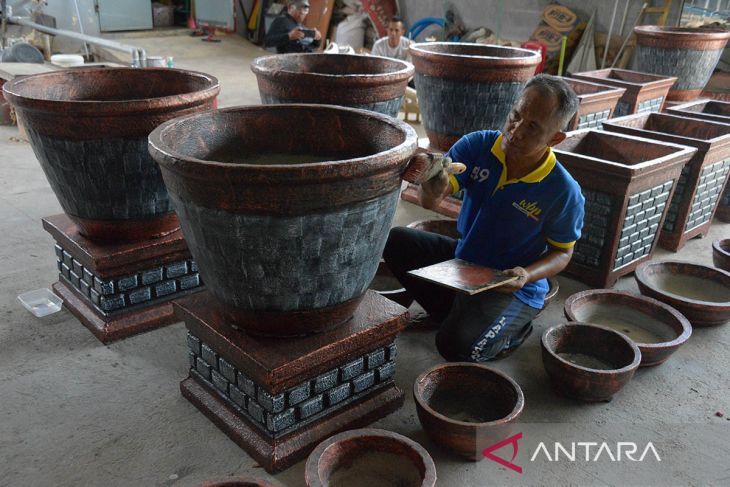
(41, 302)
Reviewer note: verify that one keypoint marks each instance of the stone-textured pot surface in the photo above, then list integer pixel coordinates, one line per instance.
(287, 230)
(467, 87)
(657, 329)
(588, 383)
(369, 82)
(369, 457)
(466, 407)
(597, 103)
(644, 92)
(689, 54)
(703, 177)
(622, 219)
(721, 254)
(701, 293)
(89, 128)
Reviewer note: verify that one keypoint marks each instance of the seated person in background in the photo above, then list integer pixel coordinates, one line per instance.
(288, 33)
(522, 213)
(395, 45)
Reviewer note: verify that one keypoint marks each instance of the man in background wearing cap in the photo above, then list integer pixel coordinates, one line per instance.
(287, 32)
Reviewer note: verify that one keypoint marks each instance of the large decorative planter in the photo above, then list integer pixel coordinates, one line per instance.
(644, 92)
(467, 87)
(369, 82)
(689, 54)
(622, 219)
(287, 231)
(597, 103)
(714, 111)
(703, 177)
(89, 128)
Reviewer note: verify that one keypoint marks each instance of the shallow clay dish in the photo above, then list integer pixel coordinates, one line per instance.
(369, 457)
(721, 254)
(588, 362)
(465, 407)
(238, 482)
(656, 328)
(701, 293)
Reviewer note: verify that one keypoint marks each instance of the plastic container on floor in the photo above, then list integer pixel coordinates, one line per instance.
(41, 302)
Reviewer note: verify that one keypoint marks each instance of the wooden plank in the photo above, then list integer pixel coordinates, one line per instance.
(463, 276)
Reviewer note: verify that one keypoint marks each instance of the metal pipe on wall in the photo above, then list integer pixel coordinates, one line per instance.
(136, 53)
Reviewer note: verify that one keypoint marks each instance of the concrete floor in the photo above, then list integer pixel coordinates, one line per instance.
(76, 412)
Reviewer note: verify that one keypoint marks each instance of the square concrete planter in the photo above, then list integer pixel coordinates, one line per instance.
(715, 111)
(703, 178)
(644, 92)
(627, 182)
(597, 103)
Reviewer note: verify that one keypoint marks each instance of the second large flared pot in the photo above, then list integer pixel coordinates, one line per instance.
(369, 82)
(286, 223)
(89, 128)
(467, 87)
(689, 54)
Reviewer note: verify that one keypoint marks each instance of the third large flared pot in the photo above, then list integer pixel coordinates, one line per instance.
(467, 87)
(89, 128)
(689, 54)
(286, 223)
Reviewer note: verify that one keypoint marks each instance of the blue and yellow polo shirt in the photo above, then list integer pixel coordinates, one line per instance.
(505, 224)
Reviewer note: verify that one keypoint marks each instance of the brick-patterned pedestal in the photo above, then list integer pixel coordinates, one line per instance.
(118, 290)
(623, 218)
(278, 398)
(644, 92)
(703, 178)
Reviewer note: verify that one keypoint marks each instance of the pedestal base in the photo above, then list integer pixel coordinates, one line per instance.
(118, 290)
(278, 398)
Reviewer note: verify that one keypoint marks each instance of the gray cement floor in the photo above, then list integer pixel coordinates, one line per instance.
(76, 412)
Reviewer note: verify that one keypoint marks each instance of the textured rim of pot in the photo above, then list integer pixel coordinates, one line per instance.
(531, 57)
(259, 67)
(181, 160)
(627, 368)
(685, 32)
(686, 326)
(312, 464)
(97, 108)
(641, 274)
(516, 411)
(717, 246)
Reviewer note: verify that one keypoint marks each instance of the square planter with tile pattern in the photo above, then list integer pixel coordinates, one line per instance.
(597, 103)
(627, 182)
(644, 92)
(703, 178)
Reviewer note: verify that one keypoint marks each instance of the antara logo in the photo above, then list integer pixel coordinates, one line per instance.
(530, 209)
(589, 451)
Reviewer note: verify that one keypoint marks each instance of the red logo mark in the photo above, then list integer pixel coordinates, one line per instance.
(487, 452)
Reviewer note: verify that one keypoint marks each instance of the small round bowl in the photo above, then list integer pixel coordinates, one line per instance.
(238, 482)
(372, 457)
(553, 289)
(721, 254)
(588, 362)
(465, 407)
(386, 284)
(657, 329)
(701, 293)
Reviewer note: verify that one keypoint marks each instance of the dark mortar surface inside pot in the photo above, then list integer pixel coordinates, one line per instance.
(471, 404)
(691, 287)
(266, 158)
(585, 360)
(376, 469)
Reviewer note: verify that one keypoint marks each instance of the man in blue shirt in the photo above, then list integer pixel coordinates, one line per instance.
(522, 212)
